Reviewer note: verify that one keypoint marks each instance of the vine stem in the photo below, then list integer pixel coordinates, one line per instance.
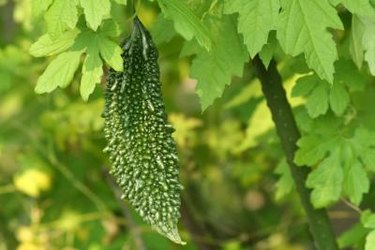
(320, 225)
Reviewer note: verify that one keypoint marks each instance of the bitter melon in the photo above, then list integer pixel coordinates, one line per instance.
(139, 139)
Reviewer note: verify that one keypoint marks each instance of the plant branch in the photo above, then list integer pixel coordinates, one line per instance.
(288, 132)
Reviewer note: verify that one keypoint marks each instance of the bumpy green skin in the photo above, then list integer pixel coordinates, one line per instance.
(140, 144)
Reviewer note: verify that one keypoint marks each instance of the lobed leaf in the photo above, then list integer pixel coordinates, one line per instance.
(46, 46)
(256, 19)
(356, 47)
(359, 7)
(62, 14)
(186, 22)
(59, 72)
(214, 69)
(317, 103)
(326, 181)
(285, 184)
(312, 148)
(339, 98)
(303, 29)
(111, 53)
(91, 72)
(39, 6)
(356, 182)
(95, 11)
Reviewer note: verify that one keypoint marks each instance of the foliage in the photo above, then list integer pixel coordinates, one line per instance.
(239, 192)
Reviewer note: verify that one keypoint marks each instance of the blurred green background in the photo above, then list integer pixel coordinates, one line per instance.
(55, 192)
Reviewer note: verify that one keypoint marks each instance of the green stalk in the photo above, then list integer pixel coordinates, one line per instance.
(320, 226)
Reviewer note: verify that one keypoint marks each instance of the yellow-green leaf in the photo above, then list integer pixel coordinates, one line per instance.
(59, 72)
(45, 46)
(62, 14)
(91, 73)
(95, 11)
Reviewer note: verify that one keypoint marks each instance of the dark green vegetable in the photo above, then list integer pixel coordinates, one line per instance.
(140, 144)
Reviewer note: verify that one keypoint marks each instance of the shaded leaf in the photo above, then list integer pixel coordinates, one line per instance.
(186, 22)
(359, 7)
(326, 181)
(285, 184)
(317, 103)
(338, 98)
(356, 182)
(111, 53)
(256, 19)
(214, 69)
(312, 149)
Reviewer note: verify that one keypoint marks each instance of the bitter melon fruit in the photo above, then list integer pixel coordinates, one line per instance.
(139, 138)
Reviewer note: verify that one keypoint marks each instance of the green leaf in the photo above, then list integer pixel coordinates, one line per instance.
(266, 53)
(110, 28)
(348, 74)
(339, 98)
(356, 182)
(368, 41)
(186, 22)
(305, 85)
(356, 35)
(363, 35)
(370, 241)
(109, 50)
(368, 158)
(96, 44)
(214, 69)
(344, 157)
(159, 28)
(359, 7)
(364, 144)
(95, 11)
(111, 53)
(303, 29)
(45, 46)
(320, 95)
(91, 72)
(285, 184)
(317, 103)
(326, 181)
(303, 120)
(40, 6)
(59, 72)
(352, 237)
(312, 148)
(123, 2)
(368, 219)
(256, 19)
(62, 14)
